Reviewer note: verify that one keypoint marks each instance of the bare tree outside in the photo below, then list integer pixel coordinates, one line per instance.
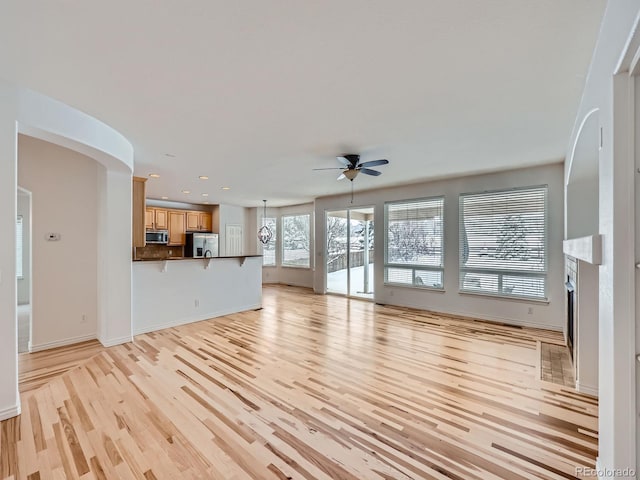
(295, 240)
(411, 242)
(512, 239)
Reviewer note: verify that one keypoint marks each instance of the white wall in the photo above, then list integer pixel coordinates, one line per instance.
(24, 283)
(582, 208)
(187, 292)
(64, 186)
(27, 111)
(545, 315)
(9, 398)
(114, 264)
(609, 94)
(232, 215)
(586, 339)
(582, 180)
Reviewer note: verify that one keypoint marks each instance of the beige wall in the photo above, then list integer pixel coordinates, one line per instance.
(513, 311)
(64, 186)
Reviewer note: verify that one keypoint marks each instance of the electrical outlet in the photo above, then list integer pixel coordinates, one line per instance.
(391, 293)
(197, 303)
(530, 311)
(83, 319)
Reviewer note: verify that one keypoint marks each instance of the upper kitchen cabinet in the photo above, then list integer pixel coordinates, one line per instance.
(206, 222)
(199, 222)
(156, 219)
(177, 227)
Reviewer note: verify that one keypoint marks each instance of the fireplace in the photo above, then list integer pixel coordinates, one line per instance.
(571, 312)
(581, 322)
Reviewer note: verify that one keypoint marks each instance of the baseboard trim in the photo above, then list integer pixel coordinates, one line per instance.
(486, 318)
(10, 412)
(198, 318)
(289, 284)
(112, 342)
(61, 343)
(593, 391)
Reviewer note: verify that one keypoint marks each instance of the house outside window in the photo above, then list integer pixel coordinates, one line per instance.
(414, 245)
(503, 242)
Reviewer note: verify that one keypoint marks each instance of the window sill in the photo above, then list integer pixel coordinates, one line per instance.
(296, 267)
(415, 287)
(511, 298)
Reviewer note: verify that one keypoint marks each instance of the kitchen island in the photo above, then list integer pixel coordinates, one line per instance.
(174, 291)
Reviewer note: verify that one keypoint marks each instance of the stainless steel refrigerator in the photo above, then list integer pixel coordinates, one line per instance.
(201, 245)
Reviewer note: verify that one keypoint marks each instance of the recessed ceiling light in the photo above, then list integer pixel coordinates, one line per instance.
(203, 177)
(186, 191)
(226, 188)
(164, 198)
(154, 175)
(205, 194)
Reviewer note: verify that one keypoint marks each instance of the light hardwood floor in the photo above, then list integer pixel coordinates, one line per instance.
(309, 387)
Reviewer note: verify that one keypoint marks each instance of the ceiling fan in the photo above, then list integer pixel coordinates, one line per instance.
(351, 166)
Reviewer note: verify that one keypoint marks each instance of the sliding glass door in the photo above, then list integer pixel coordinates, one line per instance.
(349, 240)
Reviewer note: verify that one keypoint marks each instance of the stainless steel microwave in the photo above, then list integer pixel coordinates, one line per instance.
(160, 236)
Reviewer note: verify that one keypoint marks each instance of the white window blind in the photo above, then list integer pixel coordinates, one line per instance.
(295, 241)
(503, 242)
(269, 250)
(414, 247)
(19, 254)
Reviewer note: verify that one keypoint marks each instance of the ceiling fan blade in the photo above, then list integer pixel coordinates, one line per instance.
(344, 161)
(330, 168)
(368, 171)
(342, 175)
(374, 163)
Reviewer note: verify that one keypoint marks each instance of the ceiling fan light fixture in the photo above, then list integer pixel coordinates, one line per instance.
(351, 173)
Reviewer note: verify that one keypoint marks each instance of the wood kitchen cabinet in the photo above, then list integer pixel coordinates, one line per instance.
(199, 221)
(177, 227)
(193, 221)
(156, 219)
(206, 222)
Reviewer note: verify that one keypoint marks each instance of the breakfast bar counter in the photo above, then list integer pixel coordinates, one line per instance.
(174, 291)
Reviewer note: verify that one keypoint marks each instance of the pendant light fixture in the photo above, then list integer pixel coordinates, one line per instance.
(264, 234)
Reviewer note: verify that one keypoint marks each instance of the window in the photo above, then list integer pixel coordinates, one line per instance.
(269, 250)
(295, 241)
(414, 245)
(503, 237)
(19, 258)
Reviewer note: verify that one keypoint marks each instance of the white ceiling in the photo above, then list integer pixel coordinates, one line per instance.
(255, 94)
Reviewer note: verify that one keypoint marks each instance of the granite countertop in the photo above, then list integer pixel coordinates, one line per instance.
(190, 258)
